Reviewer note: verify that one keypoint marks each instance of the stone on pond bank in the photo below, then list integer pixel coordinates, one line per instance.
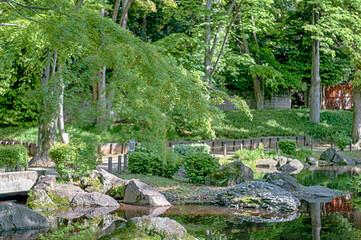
(259, 195)
(230, 175)
(284, 181)
(16, 217)
(138, 193)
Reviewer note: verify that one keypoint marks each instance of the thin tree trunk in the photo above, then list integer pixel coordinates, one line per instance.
(356, 122)
(101, 99)
(125, 9)
(63, 135)
(208, 51)
(315, 75)
(226, 37)
(116, 10)
(47, 124)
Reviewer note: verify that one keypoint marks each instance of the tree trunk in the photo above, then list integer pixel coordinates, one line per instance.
(101, 99)
(315, 100)
(47, 124)
(208, 51)
(356, 123)
(63, 136)
(125, 9)
(116, 9)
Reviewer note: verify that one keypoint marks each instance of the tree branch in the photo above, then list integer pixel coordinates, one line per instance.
(11, 25)
(31, 7)
(13, 7)
(220, 26)
(124, 13)
(226, 39)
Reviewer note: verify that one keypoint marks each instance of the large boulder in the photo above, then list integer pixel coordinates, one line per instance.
(312, 161)
(103, 182)
(293, 166)
(342, 159)
(328, 154)
(230, 175)
(258, 195)
(267, 163)
(47, 194)
(138, 193)
(284, 181)
(152, 228)
(317, 194)
(16, 217)
(94, 200)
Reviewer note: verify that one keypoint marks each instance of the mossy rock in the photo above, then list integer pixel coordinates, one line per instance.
(90, 184)
(39, 200)
(118, 191)
(230, 175)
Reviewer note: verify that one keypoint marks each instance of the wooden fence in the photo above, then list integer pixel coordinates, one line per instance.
(216, 146)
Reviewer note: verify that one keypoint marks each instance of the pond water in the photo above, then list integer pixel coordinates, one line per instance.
(337, 219)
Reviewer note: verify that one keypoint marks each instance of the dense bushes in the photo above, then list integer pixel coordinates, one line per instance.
(11, 155)
(287, 146)
(184, 149)
(342, 140)
(198, 165)
(163, 164)
(74, 159)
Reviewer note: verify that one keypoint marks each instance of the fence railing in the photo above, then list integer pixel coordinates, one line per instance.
(216, 146)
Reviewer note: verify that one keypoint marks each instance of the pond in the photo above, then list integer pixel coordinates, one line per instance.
(337, 219)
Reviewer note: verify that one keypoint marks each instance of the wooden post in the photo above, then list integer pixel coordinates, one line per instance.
(120, 164)
(224, 149)
(277, 145)
(241, 145)
(304, 141)
(312, 145)
(110, 164)
(27, 166)
(125, 168)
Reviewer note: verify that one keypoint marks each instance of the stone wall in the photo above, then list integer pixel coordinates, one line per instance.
(276, 101)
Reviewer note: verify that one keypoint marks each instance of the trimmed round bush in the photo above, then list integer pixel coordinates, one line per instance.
(198, 165)
(184, 149)
(287, 146)
(11, 155)
(155, 163)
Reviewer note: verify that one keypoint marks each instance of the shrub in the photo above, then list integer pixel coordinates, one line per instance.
(155, 163)
(184, 149)
(287, 146)
(198, 165)
(342, 140)
(302, 154)
(252, 155)
(73, 160)
(11, 155)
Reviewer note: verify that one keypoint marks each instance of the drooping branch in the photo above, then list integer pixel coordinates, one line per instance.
(20, 13)
(226, 38)
(11, 25)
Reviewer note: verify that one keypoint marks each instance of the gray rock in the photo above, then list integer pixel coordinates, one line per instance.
(267, 163)
(181, 174)
(138, 193)
(328, 154)
(293, 166)
(312, 161)
(151, 228)
(230, 175)
(16, 217)
(342, 159)
(258, 195)
(319, 192)
(23, 234)
(64, 192)
(77, 212)
(94, 199)
(281, 160)
(101, 181)
(284, 181)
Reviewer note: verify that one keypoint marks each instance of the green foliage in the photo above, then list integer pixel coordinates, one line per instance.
(287, 146)
(161, 163)
(251, 155)
(74, 159)
(302, 154)
(283, 122)
(11, 155)
(198, 165)
(342, 140)
(71, 232)
(184, 149)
